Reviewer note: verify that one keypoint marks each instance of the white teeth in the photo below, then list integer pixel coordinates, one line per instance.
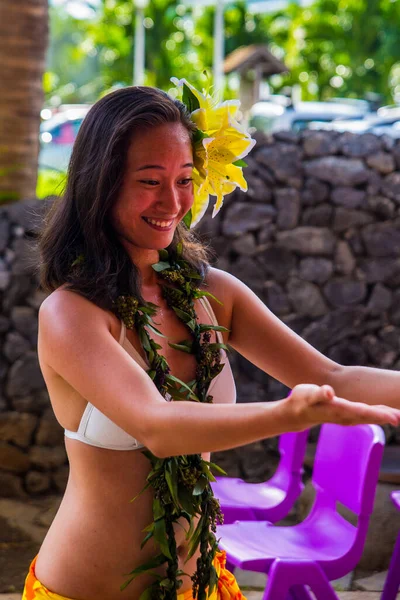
(159, 223)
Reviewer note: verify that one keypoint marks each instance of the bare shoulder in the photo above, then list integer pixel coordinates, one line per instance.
(66, 317)
(223, 282)
(64, 307)
(225, 287)
(218, 279)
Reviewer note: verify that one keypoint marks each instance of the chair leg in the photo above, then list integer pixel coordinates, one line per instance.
(300, 592)
(392, 582)
(291, 575)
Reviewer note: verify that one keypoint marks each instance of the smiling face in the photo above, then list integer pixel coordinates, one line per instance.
(157, 189)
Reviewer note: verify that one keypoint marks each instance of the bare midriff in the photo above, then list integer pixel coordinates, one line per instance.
(94, 540)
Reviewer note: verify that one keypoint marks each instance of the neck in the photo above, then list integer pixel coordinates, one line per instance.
(144, 259)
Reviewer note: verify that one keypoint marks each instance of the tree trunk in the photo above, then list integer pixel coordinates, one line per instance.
(23, 44)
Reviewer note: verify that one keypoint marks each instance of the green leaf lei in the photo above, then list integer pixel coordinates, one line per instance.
(181, 484)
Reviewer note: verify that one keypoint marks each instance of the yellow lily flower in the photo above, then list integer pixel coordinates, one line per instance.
(222, 143)
(200, 203)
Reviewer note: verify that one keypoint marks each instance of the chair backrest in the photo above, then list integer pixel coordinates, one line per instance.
(346, 466)
(292, 448)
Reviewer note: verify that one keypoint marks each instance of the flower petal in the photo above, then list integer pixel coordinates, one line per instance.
(225, 141)
(220, 115)
(227, 149)
(224, 190)
(235, 175)
(203, 99)
(200, 204)
(199, 117)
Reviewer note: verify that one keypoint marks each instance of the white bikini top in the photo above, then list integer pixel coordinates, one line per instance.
(98, 430)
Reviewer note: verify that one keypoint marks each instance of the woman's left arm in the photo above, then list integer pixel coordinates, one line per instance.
(261, 337)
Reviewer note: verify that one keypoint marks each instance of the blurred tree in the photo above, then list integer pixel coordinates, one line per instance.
(241, 29)
(72, 74)
(113, 37)
(339, 47)
(333, 47)
(171, 45)
(23, 43)
(177, 44)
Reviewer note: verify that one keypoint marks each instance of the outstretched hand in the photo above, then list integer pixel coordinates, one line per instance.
(310, 404)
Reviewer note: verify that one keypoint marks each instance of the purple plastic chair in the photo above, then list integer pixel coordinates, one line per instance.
(270, 500)
(324, 546)
(392, 583)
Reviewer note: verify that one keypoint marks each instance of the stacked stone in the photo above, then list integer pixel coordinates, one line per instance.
(317, 237)
(32, 455)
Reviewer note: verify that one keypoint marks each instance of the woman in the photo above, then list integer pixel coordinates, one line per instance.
(129, 188)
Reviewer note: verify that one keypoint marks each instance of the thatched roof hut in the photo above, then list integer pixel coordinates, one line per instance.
(253, 64)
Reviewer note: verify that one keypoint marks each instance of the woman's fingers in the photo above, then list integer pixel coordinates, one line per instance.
(328, 392)
(350, 413)
(310, 404)
(311, 393)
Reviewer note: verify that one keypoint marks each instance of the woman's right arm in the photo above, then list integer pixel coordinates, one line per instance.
(76, 343)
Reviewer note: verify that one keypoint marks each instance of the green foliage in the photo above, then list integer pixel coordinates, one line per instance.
(72, 61)
(49, 183)
(87, 58)
(333, 47)
(340, 47)
(241, 29)
(189, 99)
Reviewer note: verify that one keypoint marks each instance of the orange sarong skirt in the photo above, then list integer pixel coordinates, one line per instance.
(227, 588)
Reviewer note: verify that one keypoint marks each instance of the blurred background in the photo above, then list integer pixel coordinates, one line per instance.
(328, 64)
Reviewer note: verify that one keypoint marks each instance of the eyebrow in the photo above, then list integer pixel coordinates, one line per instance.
(160, 167)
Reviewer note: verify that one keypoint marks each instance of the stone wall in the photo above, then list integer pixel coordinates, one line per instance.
(317, 237)
(32, 455)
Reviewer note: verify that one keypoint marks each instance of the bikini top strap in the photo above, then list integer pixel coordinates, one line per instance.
(122, 334)
(208, 308)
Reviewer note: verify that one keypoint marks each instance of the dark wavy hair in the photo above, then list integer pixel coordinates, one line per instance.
(78, 223)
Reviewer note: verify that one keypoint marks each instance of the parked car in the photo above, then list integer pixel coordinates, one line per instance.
(363, 105)
(375, 123)
(389, 110)
(270, 117)
(57, 136)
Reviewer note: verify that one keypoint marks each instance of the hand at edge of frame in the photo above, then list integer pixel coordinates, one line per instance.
(310, 404)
